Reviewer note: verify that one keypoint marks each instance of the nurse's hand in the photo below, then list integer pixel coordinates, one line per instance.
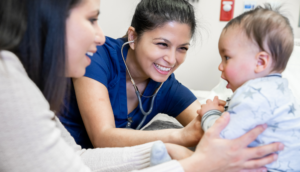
(214, 154)
(191, 134)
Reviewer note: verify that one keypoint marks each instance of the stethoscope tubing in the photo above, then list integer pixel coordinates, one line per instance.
(138, 93)
(142, 109)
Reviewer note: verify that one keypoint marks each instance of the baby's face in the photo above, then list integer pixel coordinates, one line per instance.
(238, 57)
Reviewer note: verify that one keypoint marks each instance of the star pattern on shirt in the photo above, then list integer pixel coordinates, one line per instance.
(231, 112)
(296, 133)
(274, 108)
(249, 94)
(289, 166)
(223, 133)
(257, 89)
(274, 127)
(292, 109)
(267, 109)
(285, 165)
(262, 142)
(281, 87)
(257, 114)
(277, 166)
(255, 143)
(260, 93)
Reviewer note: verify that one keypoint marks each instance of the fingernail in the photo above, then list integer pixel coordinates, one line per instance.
(281, 146)
(265, 126)
(275, 157)
(264, 170)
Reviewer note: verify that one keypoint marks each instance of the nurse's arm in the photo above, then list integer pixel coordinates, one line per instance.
(97, 114)
(189, 114)
(191, 121)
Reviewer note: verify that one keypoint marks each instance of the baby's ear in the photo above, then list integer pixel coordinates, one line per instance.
(263, 60)
(131, 36)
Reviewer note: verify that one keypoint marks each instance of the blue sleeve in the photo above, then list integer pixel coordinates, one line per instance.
(99, 67)
(177, 97)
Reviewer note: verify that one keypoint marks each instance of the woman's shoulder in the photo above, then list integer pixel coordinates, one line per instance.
(26, 118)
(109, 52)
(113, 43)
(14, 77)
(107, 64)
(10, 63)
(18, 90)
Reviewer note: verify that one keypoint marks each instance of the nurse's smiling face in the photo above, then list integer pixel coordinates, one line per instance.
(159, 52)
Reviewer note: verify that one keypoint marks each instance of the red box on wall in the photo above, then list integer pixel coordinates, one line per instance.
(227, 8)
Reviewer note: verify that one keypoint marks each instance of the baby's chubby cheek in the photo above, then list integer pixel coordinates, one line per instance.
(239, 75)
(230, 74)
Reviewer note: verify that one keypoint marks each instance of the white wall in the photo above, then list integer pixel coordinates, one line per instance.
(115, 16)
(200, 70)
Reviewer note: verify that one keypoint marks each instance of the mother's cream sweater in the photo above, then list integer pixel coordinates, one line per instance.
(32, 140)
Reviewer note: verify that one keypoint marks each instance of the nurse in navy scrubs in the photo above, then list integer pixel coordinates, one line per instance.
(104, 102)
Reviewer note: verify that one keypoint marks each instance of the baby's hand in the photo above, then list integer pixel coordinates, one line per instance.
(212, 104)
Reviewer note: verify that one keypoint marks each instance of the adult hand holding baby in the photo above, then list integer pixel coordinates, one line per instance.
(230, 155)
(191, 134)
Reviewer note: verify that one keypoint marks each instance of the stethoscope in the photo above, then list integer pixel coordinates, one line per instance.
(139, 95)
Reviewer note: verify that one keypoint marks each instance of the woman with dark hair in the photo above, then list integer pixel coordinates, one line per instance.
(105, 102)
(33, 139)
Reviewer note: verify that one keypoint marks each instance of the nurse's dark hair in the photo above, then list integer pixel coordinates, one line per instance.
(12, 23)
(42, 50)
(150, 14)
(270, 30)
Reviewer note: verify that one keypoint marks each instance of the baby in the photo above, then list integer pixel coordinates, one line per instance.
(255, 48)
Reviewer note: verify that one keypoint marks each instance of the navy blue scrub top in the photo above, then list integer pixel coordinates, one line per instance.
(108, 68)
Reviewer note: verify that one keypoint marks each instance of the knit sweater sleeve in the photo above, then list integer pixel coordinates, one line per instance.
(119, 159)
(110, 159)
(32, 139)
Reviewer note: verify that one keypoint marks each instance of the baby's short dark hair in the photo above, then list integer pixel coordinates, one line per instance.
(266, 26)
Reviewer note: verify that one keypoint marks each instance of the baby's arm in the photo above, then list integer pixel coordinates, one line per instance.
(248, 108)
(210, 112)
